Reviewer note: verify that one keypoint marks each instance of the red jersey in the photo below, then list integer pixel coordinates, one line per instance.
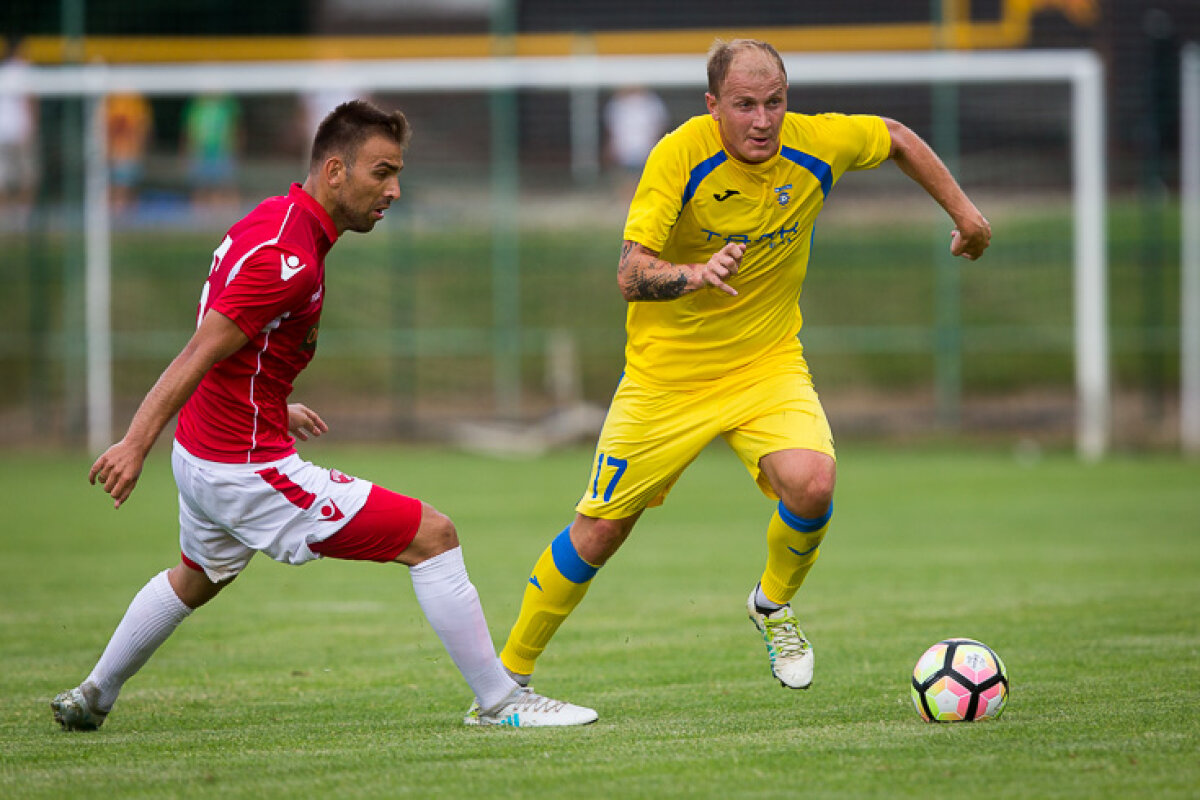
(268, 276)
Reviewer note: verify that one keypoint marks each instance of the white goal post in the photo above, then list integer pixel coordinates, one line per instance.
(1189, 285)
(1080, 70)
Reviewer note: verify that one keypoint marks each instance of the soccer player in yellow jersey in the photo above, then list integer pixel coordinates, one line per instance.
(715, 253)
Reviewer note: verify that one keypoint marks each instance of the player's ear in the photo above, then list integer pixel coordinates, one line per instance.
(711, 102)
(334, 171)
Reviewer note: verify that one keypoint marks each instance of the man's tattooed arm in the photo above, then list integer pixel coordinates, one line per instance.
(642, 275)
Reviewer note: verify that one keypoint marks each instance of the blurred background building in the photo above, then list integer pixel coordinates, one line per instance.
(419, 333)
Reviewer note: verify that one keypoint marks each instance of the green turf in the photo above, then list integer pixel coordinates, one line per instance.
(324, 681)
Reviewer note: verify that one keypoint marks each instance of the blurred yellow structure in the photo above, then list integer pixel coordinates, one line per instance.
(956, 30)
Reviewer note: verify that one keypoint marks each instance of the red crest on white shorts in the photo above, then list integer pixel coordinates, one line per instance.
(330, 512)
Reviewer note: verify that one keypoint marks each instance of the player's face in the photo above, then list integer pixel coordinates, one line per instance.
(370, 184)
(751, 108)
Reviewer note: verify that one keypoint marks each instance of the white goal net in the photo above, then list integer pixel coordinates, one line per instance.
(508, 187)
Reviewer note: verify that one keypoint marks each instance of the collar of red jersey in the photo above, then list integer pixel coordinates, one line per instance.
(305, 199)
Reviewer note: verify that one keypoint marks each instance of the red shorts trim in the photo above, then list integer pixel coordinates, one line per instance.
(187, 562)
(381, 531)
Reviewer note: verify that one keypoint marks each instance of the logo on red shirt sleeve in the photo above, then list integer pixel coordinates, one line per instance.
(288, 266)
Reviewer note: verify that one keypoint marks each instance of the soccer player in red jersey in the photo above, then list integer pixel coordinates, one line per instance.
(243, 488)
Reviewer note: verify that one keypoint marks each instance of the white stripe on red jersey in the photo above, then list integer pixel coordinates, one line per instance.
(268, 277)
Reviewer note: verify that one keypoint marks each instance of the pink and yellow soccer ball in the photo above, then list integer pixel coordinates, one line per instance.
(959, 680)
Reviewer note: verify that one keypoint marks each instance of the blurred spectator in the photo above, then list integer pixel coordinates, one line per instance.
(128, 122)
(211, 141)
(18, 140)
(635, 118)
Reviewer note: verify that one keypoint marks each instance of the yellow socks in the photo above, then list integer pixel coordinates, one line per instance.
(793, 544)
(561, 578)
(559, 581)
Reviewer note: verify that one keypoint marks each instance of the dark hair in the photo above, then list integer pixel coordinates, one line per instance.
(349, 125)
(722, 53)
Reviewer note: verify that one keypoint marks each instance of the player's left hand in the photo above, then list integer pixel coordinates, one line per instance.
(970, 239)
(720, 267)
(304, 422)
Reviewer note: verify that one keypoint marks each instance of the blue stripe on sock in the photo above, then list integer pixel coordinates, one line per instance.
(804, 524)
(573, 568)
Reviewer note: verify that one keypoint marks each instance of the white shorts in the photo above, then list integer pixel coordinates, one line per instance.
(228, 512)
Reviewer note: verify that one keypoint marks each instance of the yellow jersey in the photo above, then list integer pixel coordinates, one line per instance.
(693, 199)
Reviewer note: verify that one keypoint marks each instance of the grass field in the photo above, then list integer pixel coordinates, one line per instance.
(324, 681)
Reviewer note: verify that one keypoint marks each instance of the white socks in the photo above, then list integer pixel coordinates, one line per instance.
(443, 589)
(451, 604)
(152, 616)
(764, 604)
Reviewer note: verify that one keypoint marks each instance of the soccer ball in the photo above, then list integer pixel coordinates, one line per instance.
(959, 680)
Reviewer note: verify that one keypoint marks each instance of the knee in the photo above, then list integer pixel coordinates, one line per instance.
(192, 587)
(811, 495)
(436, 535)
(597, 539)
(609, 534)
(438, 531)
(820, 488)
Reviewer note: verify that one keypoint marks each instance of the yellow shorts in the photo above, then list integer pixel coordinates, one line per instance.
(650, 436)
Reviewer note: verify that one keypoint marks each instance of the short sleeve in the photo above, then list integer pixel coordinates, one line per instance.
(658, 200)
(875, 143)
(270, 284)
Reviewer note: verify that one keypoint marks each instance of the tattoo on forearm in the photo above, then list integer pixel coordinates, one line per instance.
(646, 277)
(657, 287)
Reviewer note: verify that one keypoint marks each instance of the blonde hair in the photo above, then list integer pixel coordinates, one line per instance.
(722, 53)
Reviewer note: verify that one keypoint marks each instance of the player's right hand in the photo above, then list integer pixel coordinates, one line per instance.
(722, 266)
(117, 471)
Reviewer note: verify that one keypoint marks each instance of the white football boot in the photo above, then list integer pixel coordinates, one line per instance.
(76, 709)
(790, 653)
(525, 708)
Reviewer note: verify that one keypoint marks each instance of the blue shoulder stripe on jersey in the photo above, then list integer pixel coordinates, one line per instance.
(572, 567)
(820, 170)
(700, 172)
(804, 524)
